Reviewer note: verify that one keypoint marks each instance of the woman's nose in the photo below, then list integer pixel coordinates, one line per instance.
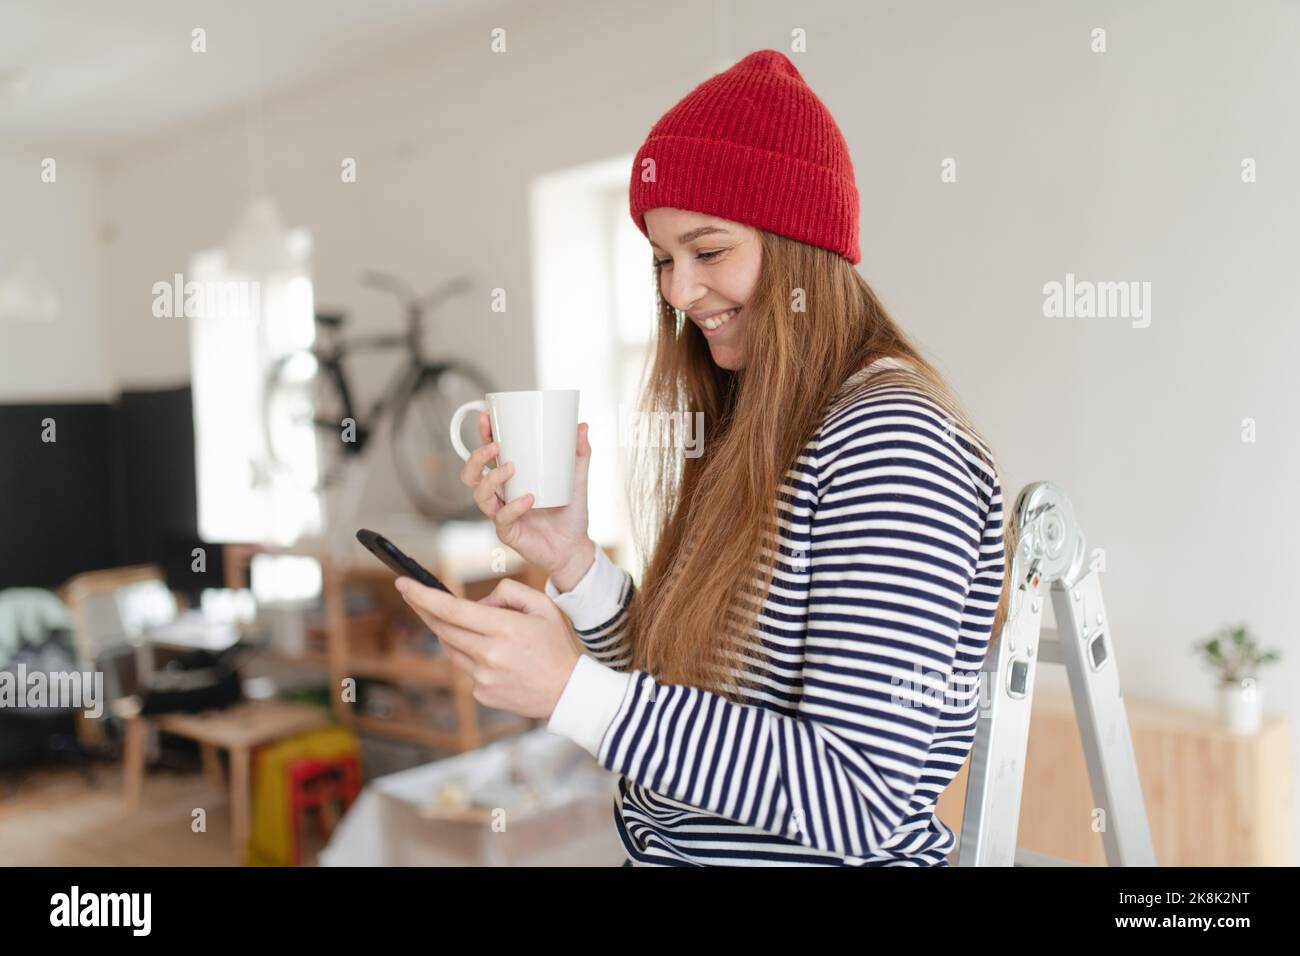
(685, 290)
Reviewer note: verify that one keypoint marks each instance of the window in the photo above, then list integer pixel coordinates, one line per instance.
(241, 327)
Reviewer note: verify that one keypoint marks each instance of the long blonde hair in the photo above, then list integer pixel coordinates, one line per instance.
(709, 523)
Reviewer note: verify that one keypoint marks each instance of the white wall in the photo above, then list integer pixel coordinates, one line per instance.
(54, 224)
(1114, 166)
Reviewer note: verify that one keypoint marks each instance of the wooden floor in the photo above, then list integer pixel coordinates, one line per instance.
(53, 818)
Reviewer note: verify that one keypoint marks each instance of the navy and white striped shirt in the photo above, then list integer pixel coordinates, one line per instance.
(864, 661)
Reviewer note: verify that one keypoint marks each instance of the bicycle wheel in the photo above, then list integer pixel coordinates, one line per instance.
(299, 397)
(427, 465)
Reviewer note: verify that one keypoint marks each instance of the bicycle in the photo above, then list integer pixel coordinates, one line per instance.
(311, 387)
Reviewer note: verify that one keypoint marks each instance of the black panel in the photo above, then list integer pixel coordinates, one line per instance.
(156, 490)
(56, 515)
(117, 487)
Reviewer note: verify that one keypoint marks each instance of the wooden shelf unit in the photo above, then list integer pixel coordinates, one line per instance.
(402, 667)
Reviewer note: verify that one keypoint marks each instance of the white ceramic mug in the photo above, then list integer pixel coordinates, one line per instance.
(537, 431)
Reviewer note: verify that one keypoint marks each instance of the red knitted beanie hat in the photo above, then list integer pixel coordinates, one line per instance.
(753, 145)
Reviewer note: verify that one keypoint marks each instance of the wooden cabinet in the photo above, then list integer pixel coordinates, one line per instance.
(1212, 798)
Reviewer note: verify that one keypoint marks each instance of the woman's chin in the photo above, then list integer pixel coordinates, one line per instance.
(727, 356)
(728, 349)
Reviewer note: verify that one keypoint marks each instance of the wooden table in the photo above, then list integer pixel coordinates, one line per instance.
(237, 729)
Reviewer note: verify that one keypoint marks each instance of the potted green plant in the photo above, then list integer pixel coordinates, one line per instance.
(1235, 656)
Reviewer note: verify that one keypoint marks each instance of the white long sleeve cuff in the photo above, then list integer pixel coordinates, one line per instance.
(589, 703)
(595, 599)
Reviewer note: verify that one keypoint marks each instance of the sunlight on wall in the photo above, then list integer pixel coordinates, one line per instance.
(594, 313)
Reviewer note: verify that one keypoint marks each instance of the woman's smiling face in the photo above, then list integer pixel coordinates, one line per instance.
(708, 267)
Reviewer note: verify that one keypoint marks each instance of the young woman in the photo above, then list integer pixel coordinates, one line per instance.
(793, 682)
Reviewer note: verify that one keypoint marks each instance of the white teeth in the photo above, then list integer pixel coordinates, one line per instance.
(719, 320)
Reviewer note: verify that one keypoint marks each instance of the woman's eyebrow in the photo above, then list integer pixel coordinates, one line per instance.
(693, 234)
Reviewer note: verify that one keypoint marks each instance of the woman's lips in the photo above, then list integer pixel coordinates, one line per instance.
(721, 329)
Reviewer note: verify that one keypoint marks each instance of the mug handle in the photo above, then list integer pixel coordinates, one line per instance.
(456, 419)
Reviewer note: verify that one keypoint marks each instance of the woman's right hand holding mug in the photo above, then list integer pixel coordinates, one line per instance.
(553, 538)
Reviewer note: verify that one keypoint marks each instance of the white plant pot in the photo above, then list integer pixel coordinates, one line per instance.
(1239, 706)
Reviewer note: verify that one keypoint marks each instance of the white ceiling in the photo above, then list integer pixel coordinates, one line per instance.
(93, 73)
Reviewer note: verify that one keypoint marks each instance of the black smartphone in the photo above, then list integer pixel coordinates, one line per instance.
(403, 564)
